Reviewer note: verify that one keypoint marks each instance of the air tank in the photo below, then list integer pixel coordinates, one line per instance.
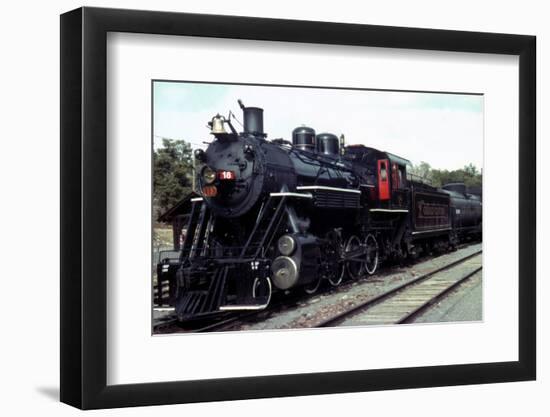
(303, 138)
(328, 144)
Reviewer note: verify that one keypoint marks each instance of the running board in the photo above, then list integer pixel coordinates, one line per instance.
(243, 307)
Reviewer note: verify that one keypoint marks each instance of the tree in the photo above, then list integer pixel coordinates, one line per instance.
(469, 175)
(172, 173)
(422, 170)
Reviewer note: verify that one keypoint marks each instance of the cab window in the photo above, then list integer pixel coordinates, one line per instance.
(383, 172)
(395, 177)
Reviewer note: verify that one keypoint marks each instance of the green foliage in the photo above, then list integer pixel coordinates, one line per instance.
(172, 173)
(422, 170)
(469, 175)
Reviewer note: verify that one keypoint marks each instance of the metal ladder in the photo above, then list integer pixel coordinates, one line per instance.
(198, 229)
(267, 224)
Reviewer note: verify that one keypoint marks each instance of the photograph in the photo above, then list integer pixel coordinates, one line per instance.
(319, 210)
(283, 207)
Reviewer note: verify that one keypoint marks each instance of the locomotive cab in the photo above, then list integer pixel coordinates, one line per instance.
(399, 185)
(392, 177)
(385, 175)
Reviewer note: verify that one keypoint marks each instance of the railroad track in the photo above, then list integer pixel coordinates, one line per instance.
(170, 324)
(223, 322)
(164, 323)
(405, 302)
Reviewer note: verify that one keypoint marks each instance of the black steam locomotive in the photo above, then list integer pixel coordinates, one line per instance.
(275, 215)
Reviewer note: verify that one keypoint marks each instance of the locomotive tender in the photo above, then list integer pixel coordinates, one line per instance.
(276, 215)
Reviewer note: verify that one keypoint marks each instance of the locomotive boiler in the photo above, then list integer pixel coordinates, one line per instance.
(275, 215)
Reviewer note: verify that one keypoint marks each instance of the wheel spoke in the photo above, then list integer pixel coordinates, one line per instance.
(371, 259)
(336, 269)
(354, 266)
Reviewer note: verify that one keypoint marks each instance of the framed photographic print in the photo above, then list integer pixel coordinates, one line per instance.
(258, 207)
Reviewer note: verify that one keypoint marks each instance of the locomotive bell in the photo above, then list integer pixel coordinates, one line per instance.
(216, 125)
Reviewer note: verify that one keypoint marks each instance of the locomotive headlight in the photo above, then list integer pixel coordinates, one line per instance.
(286, 245)
(208, 175)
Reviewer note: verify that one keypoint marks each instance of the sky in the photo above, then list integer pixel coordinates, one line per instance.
(444, 130)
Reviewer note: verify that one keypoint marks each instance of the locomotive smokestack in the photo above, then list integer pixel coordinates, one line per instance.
(253, 120)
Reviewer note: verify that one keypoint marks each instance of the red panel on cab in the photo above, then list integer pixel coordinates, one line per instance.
(383, 180)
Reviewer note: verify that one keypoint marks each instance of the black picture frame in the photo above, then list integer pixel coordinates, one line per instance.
(84, 207)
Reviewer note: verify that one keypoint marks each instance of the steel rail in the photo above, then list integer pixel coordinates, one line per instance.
(407, 318)
(331, 321)
(172, 321)
(164, 323)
